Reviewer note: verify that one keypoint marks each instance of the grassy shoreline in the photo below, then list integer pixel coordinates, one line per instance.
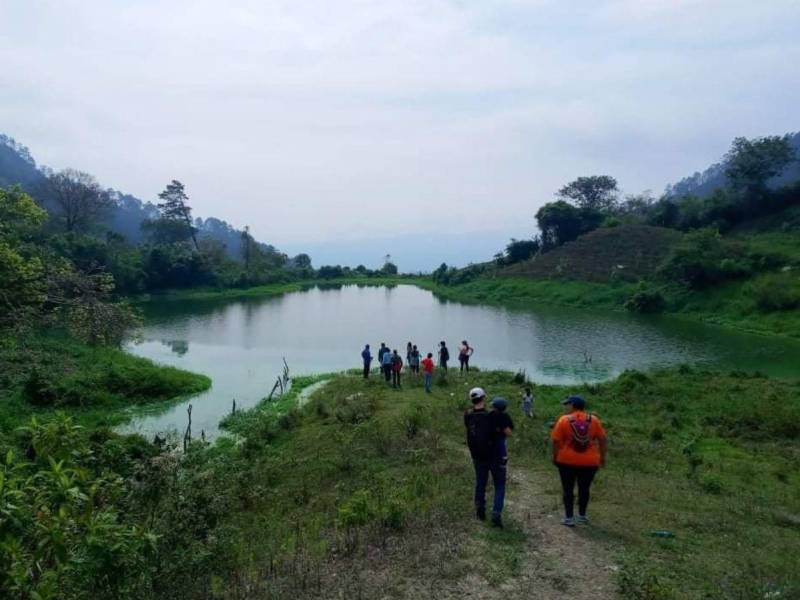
(42, 374)
(367, 490)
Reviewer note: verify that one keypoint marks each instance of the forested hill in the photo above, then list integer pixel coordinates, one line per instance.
(17, 166)
(703, 184)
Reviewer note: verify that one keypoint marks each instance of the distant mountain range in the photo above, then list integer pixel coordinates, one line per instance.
(18, 167)
(704, 184)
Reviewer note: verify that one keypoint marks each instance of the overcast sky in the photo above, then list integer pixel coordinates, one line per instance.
(316, 121)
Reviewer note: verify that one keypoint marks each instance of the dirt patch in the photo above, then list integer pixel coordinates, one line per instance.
(559, 562)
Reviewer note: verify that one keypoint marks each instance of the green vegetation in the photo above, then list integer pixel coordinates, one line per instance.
(366, 491)
(731, 258)
(93, 384)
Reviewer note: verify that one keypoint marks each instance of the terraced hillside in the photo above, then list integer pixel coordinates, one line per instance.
(627, 252)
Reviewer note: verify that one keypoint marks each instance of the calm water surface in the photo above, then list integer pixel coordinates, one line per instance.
(240, 344)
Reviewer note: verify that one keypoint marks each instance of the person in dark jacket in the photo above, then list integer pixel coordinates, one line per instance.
(366, 356)
(397, 368)
(486, 435)
(444, 356)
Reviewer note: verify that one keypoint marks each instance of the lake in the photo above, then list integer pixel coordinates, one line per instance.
(241, 344)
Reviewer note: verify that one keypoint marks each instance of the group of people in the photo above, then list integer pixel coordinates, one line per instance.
(579, 450)
(578, 437)
(391, 362)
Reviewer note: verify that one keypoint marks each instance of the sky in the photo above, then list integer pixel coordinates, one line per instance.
(328, 124)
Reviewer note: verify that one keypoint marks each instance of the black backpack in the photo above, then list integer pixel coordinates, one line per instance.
(445, 353)
(480, 438)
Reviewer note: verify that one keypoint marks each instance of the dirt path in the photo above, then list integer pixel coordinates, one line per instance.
(559, 562)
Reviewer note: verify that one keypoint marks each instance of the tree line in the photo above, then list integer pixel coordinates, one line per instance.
(594, 201)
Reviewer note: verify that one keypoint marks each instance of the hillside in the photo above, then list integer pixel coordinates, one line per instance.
(626, 252)
(18, 167)
(703, 184)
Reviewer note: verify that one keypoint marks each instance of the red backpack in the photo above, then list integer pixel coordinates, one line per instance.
(581, 439)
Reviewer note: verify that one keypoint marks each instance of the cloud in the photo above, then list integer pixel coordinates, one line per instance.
(326, 121)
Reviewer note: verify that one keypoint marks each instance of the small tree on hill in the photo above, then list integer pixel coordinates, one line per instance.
(560, 222)
(79, 199)
(751, 163)
(174, 207)
(596, 192)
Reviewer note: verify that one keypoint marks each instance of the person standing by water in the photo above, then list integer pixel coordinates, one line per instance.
(413, 361)
(386, 365)
(381, 351)
(463, 355)
(484, 431)
(397, 367)
(527, 402)
(579, 450)
(366, 356)
(444, 356)
(427, 371)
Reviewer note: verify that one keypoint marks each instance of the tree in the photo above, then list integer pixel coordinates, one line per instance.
(79, 199)
(301, 261)
(597, 192)
(246, 244)
(751, 163)
(389, 268)
(174, 207)
(22, 286)
(519, 250)
(559, 222)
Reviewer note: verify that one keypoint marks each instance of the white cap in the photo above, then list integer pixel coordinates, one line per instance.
(476, 394)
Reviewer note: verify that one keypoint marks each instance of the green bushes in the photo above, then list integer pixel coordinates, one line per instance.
(645, 300)
(703, 258)
(775, 292)
(64, 532)
(104, 377)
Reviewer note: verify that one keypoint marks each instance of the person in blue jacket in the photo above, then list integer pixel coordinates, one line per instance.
(366, 356)
(386, 365)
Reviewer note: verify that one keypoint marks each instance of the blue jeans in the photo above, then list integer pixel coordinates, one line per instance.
(428, 378)
(497, 467)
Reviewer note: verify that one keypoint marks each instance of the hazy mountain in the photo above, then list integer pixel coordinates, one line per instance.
(703, 184)
(17, 166)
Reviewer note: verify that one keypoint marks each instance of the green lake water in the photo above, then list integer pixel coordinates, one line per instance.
(241, 344)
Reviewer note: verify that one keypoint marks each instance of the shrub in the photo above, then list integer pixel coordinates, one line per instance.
(703, 258)
(645, 301)
(776, 292)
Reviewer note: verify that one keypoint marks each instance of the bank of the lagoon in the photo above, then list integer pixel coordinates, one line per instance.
(241, 344)
(97, 386)
(365, 491)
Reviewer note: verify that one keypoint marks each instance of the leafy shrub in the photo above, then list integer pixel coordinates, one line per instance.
(415, 418)
(645, 301)
(354, 409)
(776, 292)
(703, 258)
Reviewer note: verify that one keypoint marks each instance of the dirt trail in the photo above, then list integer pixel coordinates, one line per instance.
(559, 562)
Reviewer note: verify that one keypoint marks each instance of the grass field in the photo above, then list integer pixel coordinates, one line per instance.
(365, 492)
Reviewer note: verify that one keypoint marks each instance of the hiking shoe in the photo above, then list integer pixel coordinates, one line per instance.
(480, 512)
(497, 521)
(568, 521)
(582, 520)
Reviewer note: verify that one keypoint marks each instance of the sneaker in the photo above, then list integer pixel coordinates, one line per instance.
(481, 513)
(497, 521)
(568, 521)
(582, 519)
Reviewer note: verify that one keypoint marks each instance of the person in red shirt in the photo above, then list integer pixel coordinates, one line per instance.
(579, 449)
(427, 371)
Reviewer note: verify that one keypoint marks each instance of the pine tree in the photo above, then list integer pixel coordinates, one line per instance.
(174, 207)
